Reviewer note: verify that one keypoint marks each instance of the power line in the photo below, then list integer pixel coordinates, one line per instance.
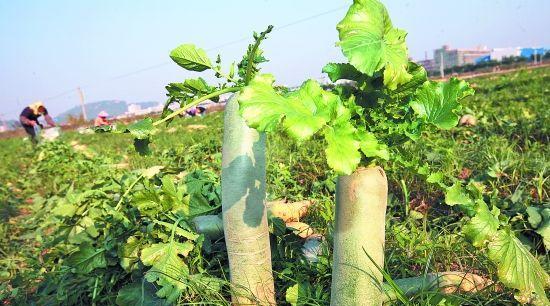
(229, 43)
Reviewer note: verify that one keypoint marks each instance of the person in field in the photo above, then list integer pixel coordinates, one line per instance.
(196, 111)
(29, 118)
(101, 119)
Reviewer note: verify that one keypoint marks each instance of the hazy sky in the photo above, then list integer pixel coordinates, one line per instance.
(51, 47)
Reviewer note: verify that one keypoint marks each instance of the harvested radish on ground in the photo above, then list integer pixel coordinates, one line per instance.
(468, 120)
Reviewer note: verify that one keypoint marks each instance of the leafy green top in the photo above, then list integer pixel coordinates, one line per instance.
(192, 92)
(388, 101)
(371, 43)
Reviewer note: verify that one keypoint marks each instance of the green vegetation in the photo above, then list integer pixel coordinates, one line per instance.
(505, 152)
(456, 217)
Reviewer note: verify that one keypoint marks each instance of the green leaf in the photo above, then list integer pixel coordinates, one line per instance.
(128, 254)
(456, 195)
(191, 58)
(197, 86)
(342, 148)
(435, 178)
(539, 219)
(64, 209)
(277, 226)
(168, 268)
(518, 269)
(138, 294)
(438, 102)
(260, 105)
(371, 43)
(86, 259)
(142, 146)
(158, 252)
(303, 113)
(534, 217)
(341, 71)
(298, 294)
(419, 77)
(178, 230)
(141, 129)
(483, 226)
(371, 147)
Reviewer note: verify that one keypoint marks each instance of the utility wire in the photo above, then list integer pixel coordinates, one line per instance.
(221, 46)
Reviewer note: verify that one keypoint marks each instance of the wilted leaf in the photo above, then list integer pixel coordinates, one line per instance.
(151, 171)
(128, 254)
(419, 77)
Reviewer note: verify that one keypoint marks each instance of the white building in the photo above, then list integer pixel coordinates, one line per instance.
(497, 54)
(136, 110)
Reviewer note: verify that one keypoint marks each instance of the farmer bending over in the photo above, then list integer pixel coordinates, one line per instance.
(29, 118)
(101, 119)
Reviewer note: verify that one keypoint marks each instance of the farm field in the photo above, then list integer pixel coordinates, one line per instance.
(85, 218)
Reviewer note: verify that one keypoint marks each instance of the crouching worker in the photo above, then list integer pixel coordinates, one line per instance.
(101, 119)
(29, 118)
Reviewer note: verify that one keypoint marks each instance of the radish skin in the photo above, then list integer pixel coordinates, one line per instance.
(212, 225)
(361, 200)
(444, 282)
(244, 212)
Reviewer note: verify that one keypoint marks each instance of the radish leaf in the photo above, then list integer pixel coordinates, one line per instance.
(191, 58)
(371, 43)
(437, 103)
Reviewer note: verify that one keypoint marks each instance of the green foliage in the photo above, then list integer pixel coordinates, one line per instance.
(58, 206)
(191, 58)
(437, 103)
(371, 43)
(388, 103)
(86, 259)
(138, 294)
(539, 219)
(517, 268)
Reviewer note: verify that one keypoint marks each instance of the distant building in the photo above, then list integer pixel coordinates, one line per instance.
(483, 59)
(498, 54)
(529, 52)
(428, 64)
(136, 110)
(458, 57)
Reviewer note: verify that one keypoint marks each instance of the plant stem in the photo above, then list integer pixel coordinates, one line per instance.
(224, 75)
(196, 102)
(252, 54)
(405, 196)
(117, 207)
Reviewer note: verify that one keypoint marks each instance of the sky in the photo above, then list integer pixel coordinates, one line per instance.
(118, 50)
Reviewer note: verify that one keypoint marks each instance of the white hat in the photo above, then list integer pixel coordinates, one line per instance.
(103, 114)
